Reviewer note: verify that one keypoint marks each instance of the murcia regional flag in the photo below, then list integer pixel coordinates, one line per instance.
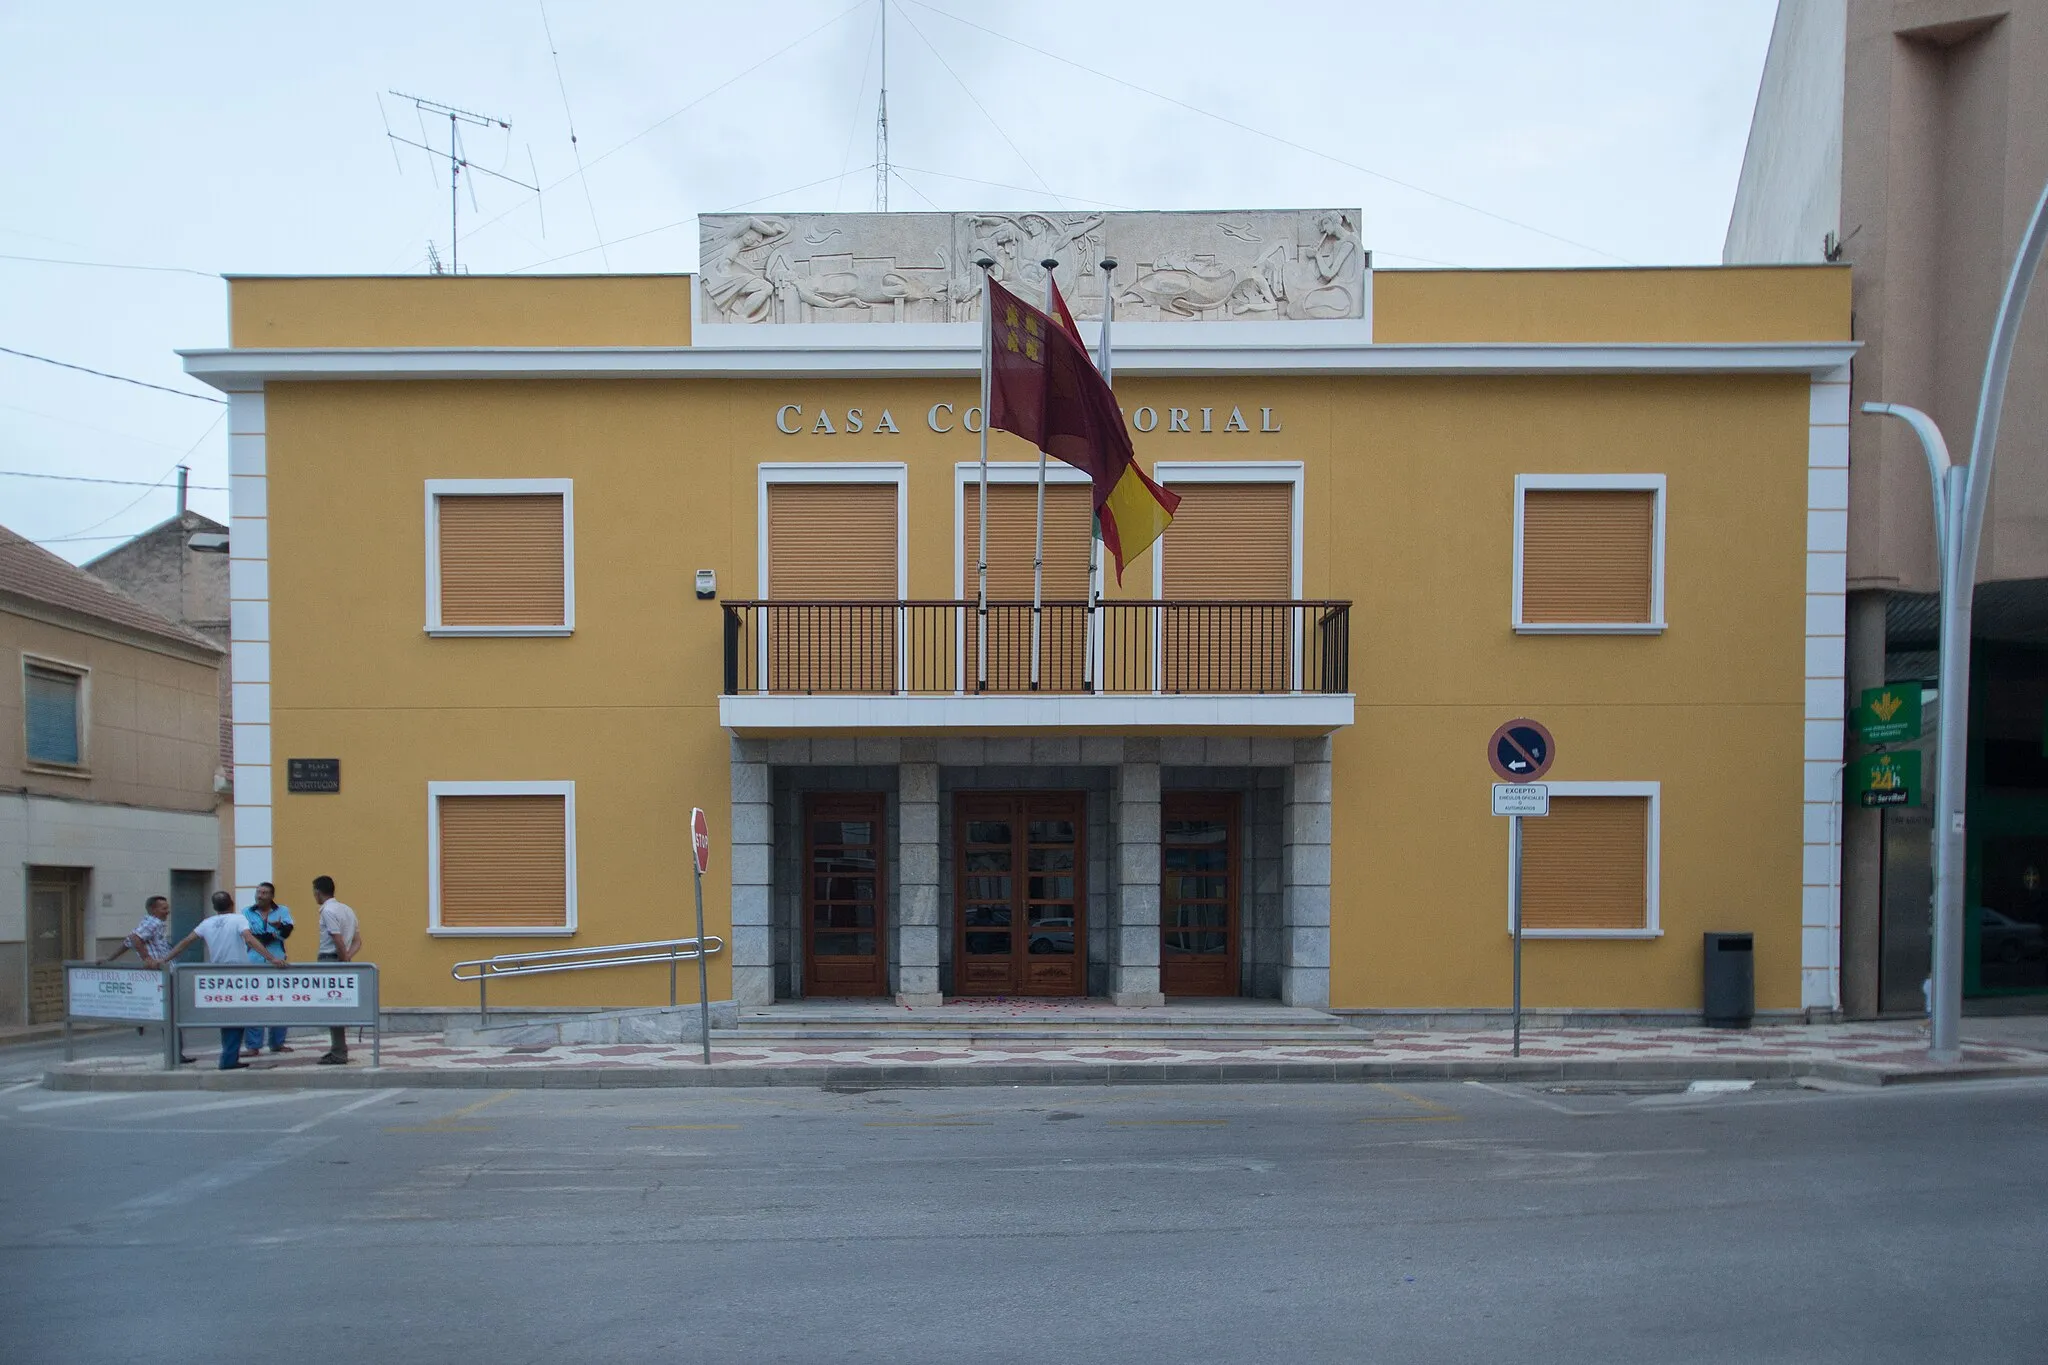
(1043, 387)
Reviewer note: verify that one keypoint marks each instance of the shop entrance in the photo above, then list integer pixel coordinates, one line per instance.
(1198, 923)
(1019, 861)
(844, 882)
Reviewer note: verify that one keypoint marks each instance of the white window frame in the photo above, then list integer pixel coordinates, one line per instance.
(1627, 483)
(437, 790)
(1652, 917)
(839, 471)
(831, 471)
(83, 674)
(474, 488)
(1167, 473)
(968, 472)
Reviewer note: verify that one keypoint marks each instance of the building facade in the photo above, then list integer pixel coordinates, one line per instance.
(161, 569)
(109, 739)
(670, 542)
(1901, 137)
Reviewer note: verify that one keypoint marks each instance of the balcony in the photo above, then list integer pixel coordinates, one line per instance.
(1279, 667)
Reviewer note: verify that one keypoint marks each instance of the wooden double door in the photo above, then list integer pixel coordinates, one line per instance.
(1020, 893)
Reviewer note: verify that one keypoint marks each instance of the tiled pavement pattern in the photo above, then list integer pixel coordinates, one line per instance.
(1891, 1048)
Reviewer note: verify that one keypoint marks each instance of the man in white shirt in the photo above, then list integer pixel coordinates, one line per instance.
(341, 938)
(228, 940)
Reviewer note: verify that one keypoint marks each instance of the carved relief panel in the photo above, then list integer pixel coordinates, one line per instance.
(1257, 266)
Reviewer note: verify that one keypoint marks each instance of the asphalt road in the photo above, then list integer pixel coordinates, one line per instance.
(1251, 1223)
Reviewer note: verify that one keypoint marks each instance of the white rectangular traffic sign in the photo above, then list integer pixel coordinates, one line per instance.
(114, 993)
(1521, 798)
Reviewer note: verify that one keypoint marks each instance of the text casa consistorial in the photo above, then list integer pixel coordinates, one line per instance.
(794, 419)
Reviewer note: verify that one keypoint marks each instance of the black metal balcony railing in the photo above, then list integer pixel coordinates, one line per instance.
(892, 648)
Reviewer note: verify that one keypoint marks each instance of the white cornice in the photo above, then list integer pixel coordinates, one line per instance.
(951, 352)
(1287, 713)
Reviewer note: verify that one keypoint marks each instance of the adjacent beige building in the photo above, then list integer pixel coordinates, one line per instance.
(1904, 138)
(109, 750)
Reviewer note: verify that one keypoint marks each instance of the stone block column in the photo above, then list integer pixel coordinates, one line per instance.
(1305, 878)
(1134, 944)
(917, 875)
(751, 946)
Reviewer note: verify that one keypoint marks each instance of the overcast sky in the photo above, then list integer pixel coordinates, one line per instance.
(251, 138)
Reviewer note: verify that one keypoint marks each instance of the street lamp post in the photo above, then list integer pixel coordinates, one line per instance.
(1960, 497)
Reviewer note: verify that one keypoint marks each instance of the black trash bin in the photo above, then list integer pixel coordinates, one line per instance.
(1730, 980)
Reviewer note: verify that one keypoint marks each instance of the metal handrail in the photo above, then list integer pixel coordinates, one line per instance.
(533, 964)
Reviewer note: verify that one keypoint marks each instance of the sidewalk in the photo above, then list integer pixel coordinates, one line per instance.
(1882, 1054)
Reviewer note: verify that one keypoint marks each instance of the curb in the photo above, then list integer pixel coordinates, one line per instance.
(946, 1075)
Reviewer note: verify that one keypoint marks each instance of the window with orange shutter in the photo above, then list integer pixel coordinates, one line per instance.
(501, 558)
(504, 857)
(1588, 866)
(1589, 553)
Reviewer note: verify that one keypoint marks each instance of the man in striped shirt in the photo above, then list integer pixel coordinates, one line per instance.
(151, 939)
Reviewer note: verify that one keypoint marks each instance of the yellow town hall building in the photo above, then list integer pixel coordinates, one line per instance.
(543, 563)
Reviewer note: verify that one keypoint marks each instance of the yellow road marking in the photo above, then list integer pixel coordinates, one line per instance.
(1437, 1113)
(675, 1127)
(446, 1124)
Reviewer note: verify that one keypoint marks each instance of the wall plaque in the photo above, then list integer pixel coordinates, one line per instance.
(312, 775)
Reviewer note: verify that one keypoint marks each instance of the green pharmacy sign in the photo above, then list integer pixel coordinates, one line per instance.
(1889, 715)
(1889, 779)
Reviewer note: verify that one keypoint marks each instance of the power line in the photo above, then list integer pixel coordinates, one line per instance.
(1273, 137)
(139, 383)
(1005, 185)
(859, 94)
(126, 483)
(574, 146)
(90, 426)
(978, 105)
(113, 265)
(670, 118)
(686, 222)
(79, 534)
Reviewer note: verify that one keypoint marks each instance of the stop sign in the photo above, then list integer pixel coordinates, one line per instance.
(700, 840)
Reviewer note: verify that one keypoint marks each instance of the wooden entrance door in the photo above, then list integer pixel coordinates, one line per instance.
(1199, 893)
(1019, 891)
(845, 938)
(56, 934)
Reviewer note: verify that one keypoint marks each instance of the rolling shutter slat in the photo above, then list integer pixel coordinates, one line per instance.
(831, 542)
(1587, 555)
(504, 862)
(1231, 540)
(502, 561)
(1012, 543)
(1586, 864)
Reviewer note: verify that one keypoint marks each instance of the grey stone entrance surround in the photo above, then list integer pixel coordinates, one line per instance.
(1286, 863)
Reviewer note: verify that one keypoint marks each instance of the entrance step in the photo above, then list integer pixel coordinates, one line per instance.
(667, 1024)
(1008, 1020)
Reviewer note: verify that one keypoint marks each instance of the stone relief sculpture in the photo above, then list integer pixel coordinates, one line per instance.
(919, 267)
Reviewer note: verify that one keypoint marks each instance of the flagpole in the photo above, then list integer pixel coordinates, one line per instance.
(1038, 545)
(1094, 522)
(988, 332)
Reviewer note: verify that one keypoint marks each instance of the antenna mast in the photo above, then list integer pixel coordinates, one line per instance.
(457, 164)
(882, 123)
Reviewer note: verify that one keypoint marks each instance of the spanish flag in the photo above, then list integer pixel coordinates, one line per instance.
(1044, 388)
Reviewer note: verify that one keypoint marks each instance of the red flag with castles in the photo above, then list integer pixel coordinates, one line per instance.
(1044, 388)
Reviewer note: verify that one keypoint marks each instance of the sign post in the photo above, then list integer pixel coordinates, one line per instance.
(700, 860)
(1520, 752)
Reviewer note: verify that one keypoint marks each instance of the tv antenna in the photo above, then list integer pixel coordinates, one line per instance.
(457, 161)
(882, 123)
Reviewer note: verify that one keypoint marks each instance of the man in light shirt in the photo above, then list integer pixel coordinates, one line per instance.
(228, 941)
(340, 940)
